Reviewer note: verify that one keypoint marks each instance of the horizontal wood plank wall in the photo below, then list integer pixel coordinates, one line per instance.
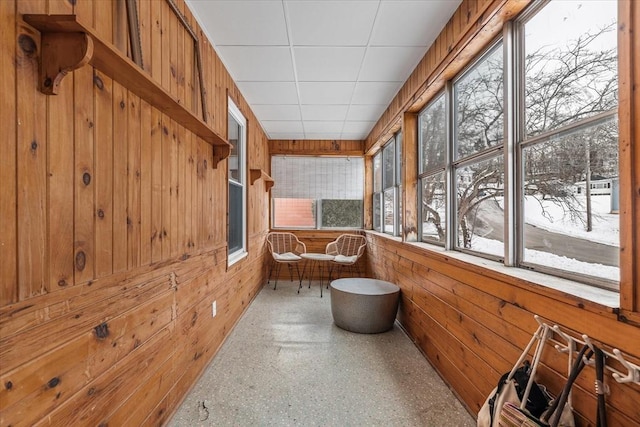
(472, 324)
(113, 227)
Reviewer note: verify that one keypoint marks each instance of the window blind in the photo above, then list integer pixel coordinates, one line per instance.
(306, 177)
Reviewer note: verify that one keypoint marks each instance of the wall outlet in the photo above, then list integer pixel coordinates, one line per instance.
(213, 309)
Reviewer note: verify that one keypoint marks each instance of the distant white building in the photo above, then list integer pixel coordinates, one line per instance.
(598, 186)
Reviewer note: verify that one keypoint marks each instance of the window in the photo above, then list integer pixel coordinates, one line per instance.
(569, 143)
(537, 191)
(391, 189)
(317, 192)
(478, 166)
(377, 192)
(237, 135)
(432, 160)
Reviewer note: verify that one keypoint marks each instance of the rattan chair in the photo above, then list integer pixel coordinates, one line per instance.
(285, 248)
(347, 250)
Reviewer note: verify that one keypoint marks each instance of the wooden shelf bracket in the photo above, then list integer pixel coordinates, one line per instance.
(62, 53)
(68, 44)
(255, 174)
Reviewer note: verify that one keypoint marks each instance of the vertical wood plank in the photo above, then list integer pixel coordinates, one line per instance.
(84, 182)
(173, 187)
(31, 168)
(189, 67)
(8, 159)
(165, 64)
(629, 157)
(144, 21)
(181, 57)
(146, 150)
(133, 181)
(120, 189)
(173, 53)
(188, 186)
(104, 104)
(199, 203)
(181, 190)
(120, 31)
(154, 61)
(60, 183)
(103, 18)
(83, 11)
(208, 183)
(60, 7)
(166, 187)
(156, 184)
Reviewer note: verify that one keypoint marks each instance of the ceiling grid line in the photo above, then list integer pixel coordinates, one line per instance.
(320, 69)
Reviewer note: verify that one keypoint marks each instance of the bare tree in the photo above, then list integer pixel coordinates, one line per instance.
(562, 86)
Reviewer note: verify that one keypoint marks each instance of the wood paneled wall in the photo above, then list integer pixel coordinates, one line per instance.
(311, 147)
(113, 226)
(472, 324)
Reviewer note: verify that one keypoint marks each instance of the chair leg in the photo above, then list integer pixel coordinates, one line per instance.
(290, 271)
(299, 277)
(278, 267)
(270, 268)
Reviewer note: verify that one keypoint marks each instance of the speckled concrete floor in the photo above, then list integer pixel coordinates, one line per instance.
(286, 363)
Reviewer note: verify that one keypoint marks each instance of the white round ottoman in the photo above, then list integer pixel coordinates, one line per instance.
(366, 306)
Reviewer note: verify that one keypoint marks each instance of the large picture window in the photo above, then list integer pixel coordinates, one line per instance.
(538, 190)
(237, 135)
(317, 192)
(569, 147)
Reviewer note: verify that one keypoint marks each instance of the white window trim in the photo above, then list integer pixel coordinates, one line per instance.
(234, 111)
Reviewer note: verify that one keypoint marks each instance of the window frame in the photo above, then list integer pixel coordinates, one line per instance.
(233, 112)
(318, 202)
(394, 187)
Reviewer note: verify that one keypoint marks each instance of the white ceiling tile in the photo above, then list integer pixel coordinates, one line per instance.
(354, 136)
(411, 23)
(280, 126)
(365, 112)
(328, 23)
(324, 112)
(269, 92)
(322, 135)
(242, 22)
(375, 92)
(276, 112)
(328, 63)
(325, 92)
(258, 63)
(390, 63)
(325, 126)
(333, 71)
(357, 127)
(286, 135)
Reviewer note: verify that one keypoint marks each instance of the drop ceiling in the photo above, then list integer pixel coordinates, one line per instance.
(321, 69)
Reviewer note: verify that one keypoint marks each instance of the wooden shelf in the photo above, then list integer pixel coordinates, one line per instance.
(255, 174)
(67, 44)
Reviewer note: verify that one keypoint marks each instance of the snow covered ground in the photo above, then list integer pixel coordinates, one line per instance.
(552, 217)
(606, 226)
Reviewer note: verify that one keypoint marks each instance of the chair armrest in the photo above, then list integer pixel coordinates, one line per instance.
(301, 248)
(332, 248)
